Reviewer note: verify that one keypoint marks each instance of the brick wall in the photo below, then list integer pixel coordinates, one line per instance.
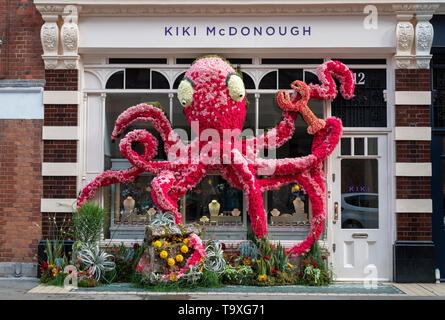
(413, 151)
(413, 226)
(60, 151)
(21, 147)
(21, 189)
(20, 56)
(61, 80)
(412, 80)
(60, 115)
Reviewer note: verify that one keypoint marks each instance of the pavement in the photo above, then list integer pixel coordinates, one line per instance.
(31, 289)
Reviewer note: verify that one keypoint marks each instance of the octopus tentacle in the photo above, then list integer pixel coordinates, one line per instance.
(148, 113)
(252, 189)
(169, 186)
(105, 179)
(323, 144)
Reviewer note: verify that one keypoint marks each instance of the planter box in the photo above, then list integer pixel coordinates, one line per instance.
(41, 255)
(414, 262)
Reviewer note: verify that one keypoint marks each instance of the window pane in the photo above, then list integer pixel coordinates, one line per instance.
(248, 81)
(180, 120)
(368, 107)
(249, 122)
(269, 117)
(116, 81)
(287, 76)
(269, 81)
(346, 146)
(373, 147)
(178, 80)
(215, 199)
(359, 146)
(137, 78)
(288, 206)
(359, 194)
(132, 201)
(158, 81)
(115, 105)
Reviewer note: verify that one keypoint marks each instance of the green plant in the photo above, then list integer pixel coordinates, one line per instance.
(95, 260)
(88, 223)
(280, 259)
(248, 249)
(241, 275)
(314, 271)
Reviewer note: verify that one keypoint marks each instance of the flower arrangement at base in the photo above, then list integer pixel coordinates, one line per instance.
(314, 270)
(172, 252)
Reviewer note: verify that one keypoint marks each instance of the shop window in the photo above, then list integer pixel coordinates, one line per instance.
(368, 107)
(133, 204)
(116, 81)
(214, 203)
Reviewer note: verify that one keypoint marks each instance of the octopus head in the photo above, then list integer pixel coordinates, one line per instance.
(213, 96)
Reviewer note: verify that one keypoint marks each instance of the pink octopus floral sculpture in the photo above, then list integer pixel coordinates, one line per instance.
(213, 97)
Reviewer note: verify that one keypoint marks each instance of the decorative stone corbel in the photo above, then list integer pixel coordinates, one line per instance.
(49, 35)
(424, 40)
(69, 35)
(405, 40)
(60, 45)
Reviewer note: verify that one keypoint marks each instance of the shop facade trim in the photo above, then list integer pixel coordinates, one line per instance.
(57, 205)
(412, 133)
(61, 97)
(414, 206)
(403, 169)
(60, 133)
(413, 98)
(59, 169)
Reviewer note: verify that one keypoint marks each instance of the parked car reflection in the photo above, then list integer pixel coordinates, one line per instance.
(359, 211)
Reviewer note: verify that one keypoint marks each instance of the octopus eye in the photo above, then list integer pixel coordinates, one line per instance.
(185, 92)
(235, 85)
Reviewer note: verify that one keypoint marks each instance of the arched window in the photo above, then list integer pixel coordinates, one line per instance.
(116, 81)
(159, 81)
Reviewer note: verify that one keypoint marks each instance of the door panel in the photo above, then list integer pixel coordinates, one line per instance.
(360, 232)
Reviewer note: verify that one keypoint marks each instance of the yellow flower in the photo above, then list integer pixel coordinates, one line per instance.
(157, 244)
(171, 262)
(262, 277)
(179, 258)
(186, 240)
(184, 249)
(173, 277)
(200, 269)
(289, 265)
(163, 254)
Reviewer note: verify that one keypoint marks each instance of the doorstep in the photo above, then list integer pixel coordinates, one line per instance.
(346, 289)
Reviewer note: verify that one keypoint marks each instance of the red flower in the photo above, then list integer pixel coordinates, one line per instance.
(300, 274)
(223, 246)
(44, 265)
(266, 258)
(323, 257)
(315, 265)
(135, 246)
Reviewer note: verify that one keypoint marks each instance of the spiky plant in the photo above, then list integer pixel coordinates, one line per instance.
(94, 259)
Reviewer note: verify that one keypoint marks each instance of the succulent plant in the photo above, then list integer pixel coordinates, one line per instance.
(248, 249)
(214, 260)
(97, 261)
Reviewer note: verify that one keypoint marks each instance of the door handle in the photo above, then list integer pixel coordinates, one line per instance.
(335, 213)
(360, 235)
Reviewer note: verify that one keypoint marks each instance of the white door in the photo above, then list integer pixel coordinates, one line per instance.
(358, 209)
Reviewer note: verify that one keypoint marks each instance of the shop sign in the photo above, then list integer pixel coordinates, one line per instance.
(235, 32)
